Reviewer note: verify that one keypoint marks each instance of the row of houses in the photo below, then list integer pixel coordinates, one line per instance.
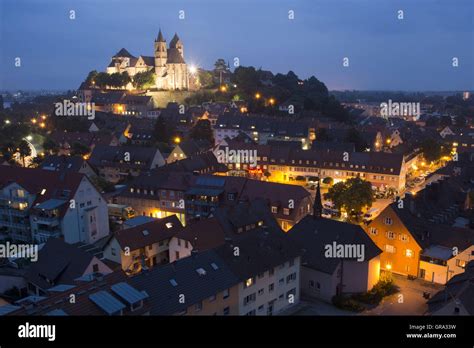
(163, 193)
(287, 164)
(238, 262)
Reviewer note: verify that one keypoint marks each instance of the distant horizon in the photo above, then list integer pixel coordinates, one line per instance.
(385, 53)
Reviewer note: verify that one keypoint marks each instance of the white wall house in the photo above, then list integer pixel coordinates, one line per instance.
(272, 291)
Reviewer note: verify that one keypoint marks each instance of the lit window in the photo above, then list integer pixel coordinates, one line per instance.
(390, 235)
(409, 253)
(249, 282)
(373, 231)
(390, 249)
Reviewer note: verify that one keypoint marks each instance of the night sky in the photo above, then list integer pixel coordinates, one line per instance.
(384, 52)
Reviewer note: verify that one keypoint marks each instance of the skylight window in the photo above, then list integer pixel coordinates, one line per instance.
(169, 224)
(201, 271)
(173, 282)
(214, 266)
(145, 232)
(43, 191)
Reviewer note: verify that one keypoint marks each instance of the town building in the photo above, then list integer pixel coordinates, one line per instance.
(143, 246)
(61, 263)
(323, 275)
(201, 284)
(116, 163)
(63, 163)
(97, 295)
(262, 128)
(419, 235)
(186, 149)
(38, 204)
(289, 165)
(457, 297)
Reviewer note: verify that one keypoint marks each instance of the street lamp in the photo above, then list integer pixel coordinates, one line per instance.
(192, 69)
(177, 140)
(257, 95)
(223, 88)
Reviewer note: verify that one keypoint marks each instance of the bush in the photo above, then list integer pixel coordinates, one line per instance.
(347, 304)
(383, 288)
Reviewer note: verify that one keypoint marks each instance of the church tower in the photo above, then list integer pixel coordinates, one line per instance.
(176, 43)
(317, 206)
(161, 56)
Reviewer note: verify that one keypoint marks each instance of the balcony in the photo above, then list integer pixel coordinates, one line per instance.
(47, 233)
(46, 220)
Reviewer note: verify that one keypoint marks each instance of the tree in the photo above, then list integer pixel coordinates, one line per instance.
(24, 151)
(50, 146)
(202, 131)
(445, 121)
(161, 131)
(328, 180)
(91, 78)
(1, 102)
(8, 150)
(432, 150)
(353, 136)
(116, 80)
(205, 78)
(322, 135)
(102, 80)
(145, 79)
(461, 121)
(246, 79)
(352, 195)
(79, 149)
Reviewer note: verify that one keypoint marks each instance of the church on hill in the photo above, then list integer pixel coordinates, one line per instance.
(171, 71)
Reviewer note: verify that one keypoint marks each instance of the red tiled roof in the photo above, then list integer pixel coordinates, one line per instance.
(149, 233)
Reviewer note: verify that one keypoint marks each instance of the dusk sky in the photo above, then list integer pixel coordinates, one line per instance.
(385, 53)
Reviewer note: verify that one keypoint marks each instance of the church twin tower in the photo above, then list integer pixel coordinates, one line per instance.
(170, 68)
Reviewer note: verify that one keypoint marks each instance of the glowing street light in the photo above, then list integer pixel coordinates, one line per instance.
(42, 125)
(29, 138)
(33, 120)
(177, 140)
(223, 89)
(271, 101)
(43, 117)
(257, 95)
(7, 121)
(192, 69)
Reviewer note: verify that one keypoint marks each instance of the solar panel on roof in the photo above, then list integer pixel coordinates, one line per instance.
(8, 308)
(128, 293)
(61, 288)
(57, 312)
(107, 302)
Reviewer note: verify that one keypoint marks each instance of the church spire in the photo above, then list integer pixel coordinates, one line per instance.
(160, 37)
(174, 40)
(317, 206)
